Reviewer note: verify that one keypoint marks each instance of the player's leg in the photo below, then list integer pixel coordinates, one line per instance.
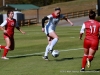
(2, 47)
(47, 48)
(84, 59)
(92, 51)
(91, 54)
(6, 49)
(90, 57)
(86, 52)
(54, 40)
(12, 46)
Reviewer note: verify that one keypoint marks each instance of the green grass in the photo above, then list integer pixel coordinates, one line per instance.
(34, 41)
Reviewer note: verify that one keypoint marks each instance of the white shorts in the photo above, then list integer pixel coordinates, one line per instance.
(48, 30)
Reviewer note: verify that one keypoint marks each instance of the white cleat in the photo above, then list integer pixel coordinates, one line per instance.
(88, 63)
(5, 58)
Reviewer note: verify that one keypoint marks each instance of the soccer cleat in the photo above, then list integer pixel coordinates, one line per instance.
(50, 51)
(82, 69)
(5, 58)
(45, 57)
(88, 63)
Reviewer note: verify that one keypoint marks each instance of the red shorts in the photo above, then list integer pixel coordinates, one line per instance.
(93, 44)
(11, 41)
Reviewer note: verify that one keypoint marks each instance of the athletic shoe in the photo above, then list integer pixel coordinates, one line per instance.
(50, 51)
(45, 57)
(82, 69)
(5, 58)
(88, 63)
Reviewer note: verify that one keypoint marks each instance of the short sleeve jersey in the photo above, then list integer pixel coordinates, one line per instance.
(9, 26)
(92, 28)
(53, 20)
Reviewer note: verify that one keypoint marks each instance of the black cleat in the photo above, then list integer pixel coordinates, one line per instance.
(82, 69)
(45, 57)
(50, 51)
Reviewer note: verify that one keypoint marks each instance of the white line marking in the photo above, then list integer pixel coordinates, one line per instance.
(43, 53)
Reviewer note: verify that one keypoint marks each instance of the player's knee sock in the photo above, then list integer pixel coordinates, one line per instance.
(53, 42)
(90, 58)
(2, 47)
(47, 50)
(84, 61)
(5, 51)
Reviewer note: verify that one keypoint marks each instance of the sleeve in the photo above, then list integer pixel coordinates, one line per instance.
(83, 28)
(62, 16)
(49, 16)
(17, 24)
(43, 21)
(4, 23)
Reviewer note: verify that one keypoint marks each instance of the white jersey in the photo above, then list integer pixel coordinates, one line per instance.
(52, 22)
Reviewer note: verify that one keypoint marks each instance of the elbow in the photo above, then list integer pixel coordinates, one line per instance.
(17, 28)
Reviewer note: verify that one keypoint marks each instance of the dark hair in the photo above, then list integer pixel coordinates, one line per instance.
(57, 9)
(92, 14)
(8, 12)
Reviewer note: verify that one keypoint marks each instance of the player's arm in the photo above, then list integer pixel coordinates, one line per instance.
(99, 33)
(82, 31)
(18, 28)
(2, 26)
(43, 22)
(68, 20)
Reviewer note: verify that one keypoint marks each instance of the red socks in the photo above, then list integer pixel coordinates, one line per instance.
(2, 47)
(84, 61)
(90, 58)
(5, 52)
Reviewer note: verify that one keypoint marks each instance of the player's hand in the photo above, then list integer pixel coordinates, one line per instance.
(80, 38)
(43, 29)
(72, 24)
(5, 31)
(23, 32)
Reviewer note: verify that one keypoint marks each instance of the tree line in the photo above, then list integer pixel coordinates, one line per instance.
(35, 2)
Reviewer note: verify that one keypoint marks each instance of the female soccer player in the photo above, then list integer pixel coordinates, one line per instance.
(49, 29)
(10, 23)
(91, 40)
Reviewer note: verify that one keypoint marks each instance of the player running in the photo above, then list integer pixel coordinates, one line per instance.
(49, 29)
(91, 40)
(10, 23)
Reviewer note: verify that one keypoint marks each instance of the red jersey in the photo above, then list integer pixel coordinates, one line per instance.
(10, 27)
(92, 28)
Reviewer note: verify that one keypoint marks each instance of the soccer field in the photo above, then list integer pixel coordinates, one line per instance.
(26, 59)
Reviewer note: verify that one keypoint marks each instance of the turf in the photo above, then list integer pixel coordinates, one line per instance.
(25, 61)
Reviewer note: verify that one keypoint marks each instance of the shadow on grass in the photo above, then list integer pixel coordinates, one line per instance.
(64, 59)
(94, 70)
(23, 56)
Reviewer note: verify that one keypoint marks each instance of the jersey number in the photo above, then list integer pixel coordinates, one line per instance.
(93, 29)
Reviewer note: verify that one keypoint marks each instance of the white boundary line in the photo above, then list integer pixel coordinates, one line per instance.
(43, 52)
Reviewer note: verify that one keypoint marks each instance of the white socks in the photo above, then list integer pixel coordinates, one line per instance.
(53, 42)
(47, 50)
(50, 47)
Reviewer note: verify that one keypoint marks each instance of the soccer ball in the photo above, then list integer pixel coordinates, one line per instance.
(55, 53)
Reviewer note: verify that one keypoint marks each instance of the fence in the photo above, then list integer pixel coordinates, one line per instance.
(78, 13)
(28, 21)
(68, 15)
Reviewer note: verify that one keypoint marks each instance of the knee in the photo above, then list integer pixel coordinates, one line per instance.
(56, 39)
